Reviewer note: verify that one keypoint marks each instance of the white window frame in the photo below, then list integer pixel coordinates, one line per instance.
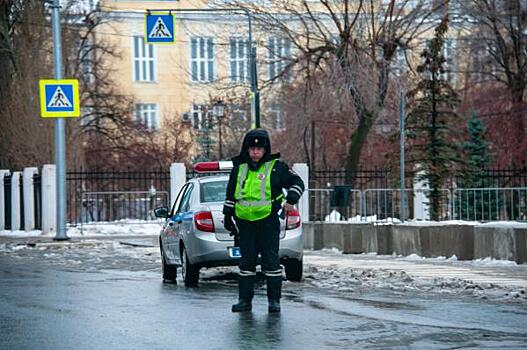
(277, 52)
(143, 60)
(148, 115)
(202, 63)
(239, 59)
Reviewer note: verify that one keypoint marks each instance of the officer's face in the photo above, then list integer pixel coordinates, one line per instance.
(256, 153)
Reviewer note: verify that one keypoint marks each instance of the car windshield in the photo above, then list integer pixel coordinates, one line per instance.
(213, 191)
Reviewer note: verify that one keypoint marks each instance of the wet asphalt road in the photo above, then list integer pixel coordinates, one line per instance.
(105, 296)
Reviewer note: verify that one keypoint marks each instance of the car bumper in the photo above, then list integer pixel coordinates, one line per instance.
(205, 250)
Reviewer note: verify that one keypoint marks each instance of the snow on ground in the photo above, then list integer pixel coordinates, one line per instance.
(330, 269)
(122, 227)
(483, 278)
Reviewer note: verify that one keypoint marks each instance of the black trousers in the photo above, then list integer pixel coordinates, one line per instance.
(260, 237)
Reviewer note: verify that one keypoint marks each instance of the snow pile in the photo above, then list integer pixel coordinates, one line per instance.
(484, 278)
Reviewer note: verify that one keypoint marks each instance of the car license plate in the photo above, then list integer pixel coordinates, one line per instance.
(234, 252)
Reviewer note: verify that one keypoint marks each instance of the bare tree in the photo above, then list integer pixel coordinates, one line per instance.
(355, 39)
(26, 139)
(498, 41)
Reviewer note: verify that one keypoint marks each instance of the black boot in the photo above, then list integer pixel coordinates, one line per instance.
(274, 292)
(242, 306)
(246, 293)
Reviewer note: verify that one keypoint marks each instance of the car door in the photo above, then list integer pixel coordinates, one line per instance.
(170, 227)
(182, 220)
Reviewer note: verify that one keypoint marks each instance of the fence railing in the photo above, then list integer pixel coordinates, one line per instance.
(79, 182)
(490, 204)
(121, 205)
(384, 205)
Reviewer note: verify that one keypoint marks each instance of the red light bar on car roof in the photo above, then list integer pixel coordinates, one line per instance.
(204, 167)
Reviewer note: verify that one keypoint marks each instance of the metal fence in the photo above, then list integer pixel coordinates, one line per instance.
(7, 201)
(79, 182)
(384, 205)
(118, 205)
(490, 204)
(37, 196)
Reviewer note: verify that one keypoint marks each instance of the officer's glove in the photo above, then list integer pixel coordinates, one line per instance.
(228, 223)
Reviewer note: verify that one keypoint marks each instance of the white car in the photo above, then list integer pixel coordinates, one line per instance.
(193, 235)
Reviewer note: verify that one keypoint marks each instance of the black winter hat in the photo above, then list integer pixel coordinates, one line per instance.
(257, 138)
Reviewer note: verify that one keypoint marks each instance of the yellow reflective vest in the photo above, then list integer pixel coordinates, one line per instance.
(253, 192)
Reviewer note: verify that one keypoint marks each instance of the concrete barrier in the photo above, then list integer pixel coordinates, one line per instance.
(504, 243)
(406, 239)
(448, 240)
(464, 241)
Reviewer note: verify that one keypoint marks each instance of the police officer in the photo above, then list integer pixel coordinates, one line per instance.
(254, 198)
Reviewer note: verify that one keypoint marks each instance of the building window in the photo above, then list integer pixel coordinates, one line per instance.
(449, 51)
(275, 117)
(239, 62)
(147, 115)
(87, 116)
(279, 50)
(143, 57)
(86, 61)
(199, 118)
(399, 61)
(202, 59)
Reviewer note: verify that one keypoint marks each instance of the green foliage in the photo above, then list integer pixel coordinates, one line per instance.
(472, 201)
(430, 123)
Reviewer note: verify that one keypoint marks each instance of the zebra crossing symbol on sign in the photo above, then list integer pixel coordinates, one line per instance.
(59, 98)
(160, 28)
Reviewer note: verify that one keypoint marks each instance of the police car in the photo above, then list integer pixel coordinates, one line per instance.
(193, 236)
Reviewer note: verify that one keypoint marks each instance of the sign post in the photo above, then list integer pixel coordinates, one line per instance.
(59, 98)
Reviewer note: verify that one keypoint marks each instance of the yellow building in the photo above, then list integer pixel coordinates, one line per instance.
(209, 61)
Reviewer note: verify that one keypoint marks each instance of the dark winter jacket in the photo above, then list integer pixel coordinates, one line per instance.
(281, 176)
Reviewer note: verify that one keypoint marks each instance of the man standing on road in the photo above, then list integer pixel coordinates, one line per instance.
(254, 198)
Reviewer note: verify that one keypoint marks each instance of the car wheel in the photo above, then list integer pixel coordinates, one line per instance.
(169, 271)
(189, 272)
(293, 269)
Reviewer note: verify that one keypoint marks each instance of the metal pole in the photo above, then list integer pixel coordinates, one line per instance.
(255, 100)
(60, 153)
(401, 145)
(219, 139)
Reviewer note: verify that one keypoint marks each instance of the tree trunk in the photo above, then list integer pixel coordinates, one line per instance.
(357, 141)
(6, 54)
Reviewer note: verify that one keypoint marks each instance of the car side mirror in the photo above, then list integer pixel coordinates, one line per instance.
(161, 212)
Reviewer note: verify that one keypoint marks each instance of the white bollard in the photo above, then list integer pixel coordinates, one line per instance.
(49, 199)
(15, 201)
(421, 202)
(178, 177)
(29, 197)
(3, 174)
(303, 206)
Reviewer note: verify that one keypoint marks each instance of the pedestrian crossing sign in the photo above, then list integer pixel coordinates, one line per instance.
(59, 98)
(160, 28)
